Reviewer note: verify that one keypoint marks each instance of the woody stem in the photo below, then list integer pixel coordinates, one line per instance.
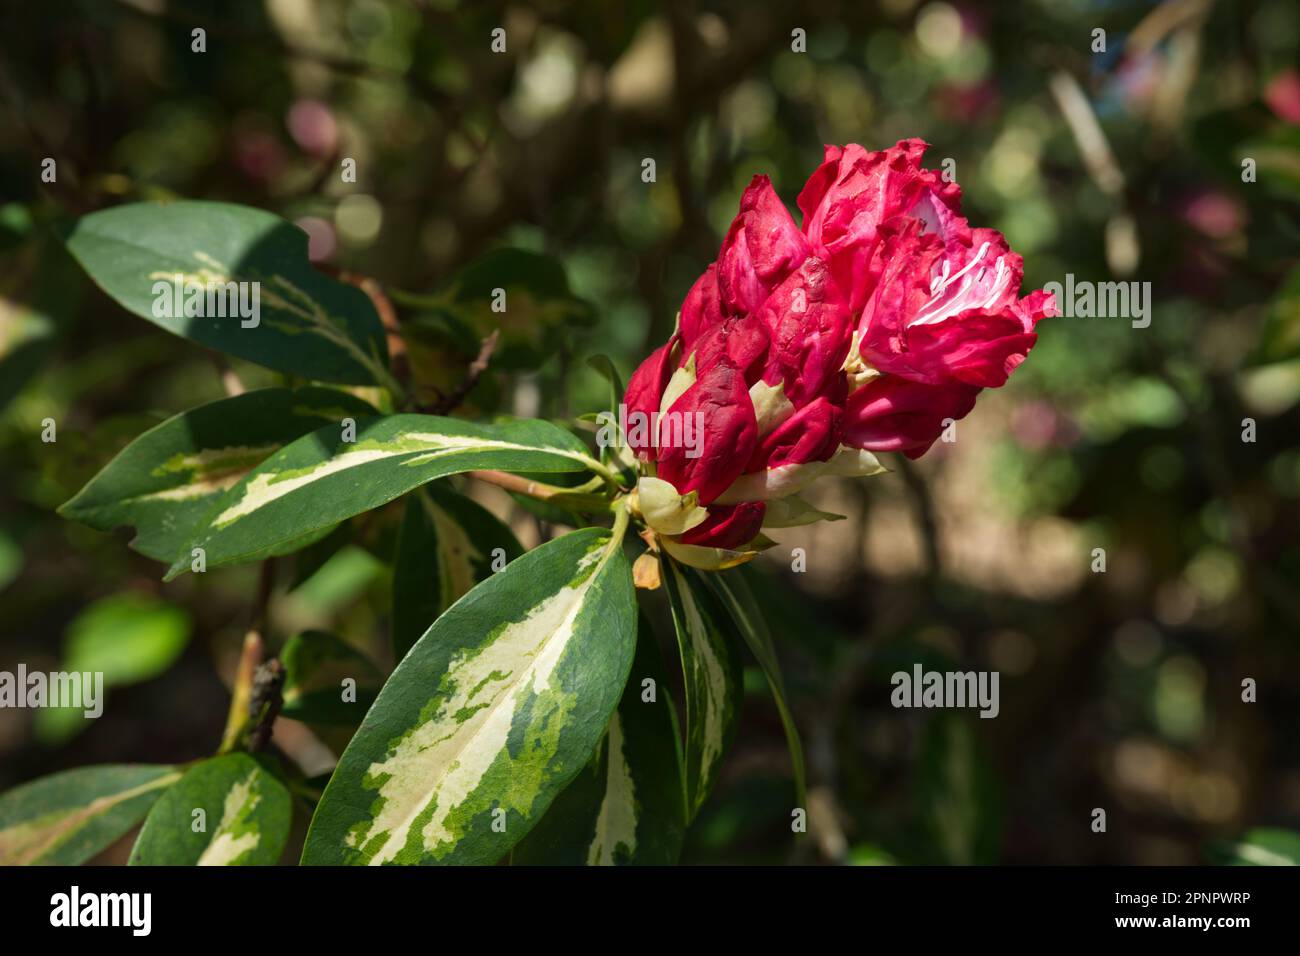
(241, 692)
(579, 497)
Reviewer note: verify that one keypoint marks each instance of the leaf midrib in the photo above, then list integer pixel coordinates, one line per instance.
(570, 616)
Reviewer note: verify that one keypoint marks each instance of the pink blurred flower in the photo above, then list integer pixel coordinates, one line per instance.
(313, 128)
(321, 241)
(1138, 78)
(258, 155)
(1036, 425)
(1283, 96)
(1215, 214)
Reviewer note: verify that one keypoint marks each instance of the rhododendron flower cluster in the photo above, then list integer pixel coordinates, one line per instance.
(801, 351)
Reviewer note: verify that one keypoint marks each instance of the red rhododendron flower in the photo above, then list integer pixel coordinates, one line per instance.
(721, 401)
(803, 350)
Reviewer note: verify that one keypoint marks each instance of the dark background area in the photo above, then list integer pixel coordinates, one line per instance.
(1120, 690)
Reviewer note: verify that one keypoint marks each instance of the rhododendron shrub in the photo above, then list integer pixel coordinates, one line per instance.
(805, 349)
(529, 714)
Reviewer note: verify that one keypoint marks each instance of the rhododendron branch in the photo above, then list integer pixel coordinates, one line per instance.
(241, 691)
(580, 497)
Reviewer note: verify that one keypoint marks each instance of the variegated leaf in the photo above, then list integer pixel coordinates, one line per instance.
(738, 600)
(494, 710)
(306, 324)
(227, 811)
(67, 818)
(316, 667)
(165, 482)
(324, 478)
(712, 674)
(628, 805)
(447, 544)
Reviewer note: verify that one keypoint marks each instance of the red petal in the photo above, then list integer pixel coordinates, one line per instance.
(702, 309)
(730, 432)
(893, 414)
(762, 247)
(644, 393)
(811, 434)
(728, 526)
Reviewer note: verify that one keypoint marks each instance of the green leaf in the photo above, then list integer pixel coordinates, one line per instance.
(126, 637)
(11, 559)
(30, 329)
(1280, 338)
(539, 308)
(613, 451)
(244, 819)
(737, 598)
(69, 817)
(628, 805)
(130, 637)
(957, 796)
(604, 366)
(167, 481)
(321, 479)
(345, 577)
(309, 325)
(713, 679)
(16, 224)
(318, 554)
(1275, 148)
(868, 854)
(447, 544)
(489, 716)
(1262, 846)
(315, 666)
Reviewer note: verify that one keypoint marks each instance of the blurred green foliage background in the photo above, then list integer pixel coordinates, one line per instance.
(1120, 690)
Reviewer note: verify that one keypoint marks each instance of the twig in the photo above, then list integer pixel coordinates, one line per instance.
(1094, 147)
(264, 704)
(249, 695)
(579, 498)
(241, 691)
(475, 371)
(230, 381)
(261, 605)
(1123, 249)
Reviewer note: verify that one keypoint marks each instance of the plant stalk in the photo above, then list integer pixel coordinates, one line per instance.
(579, 498)
(241, 692)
